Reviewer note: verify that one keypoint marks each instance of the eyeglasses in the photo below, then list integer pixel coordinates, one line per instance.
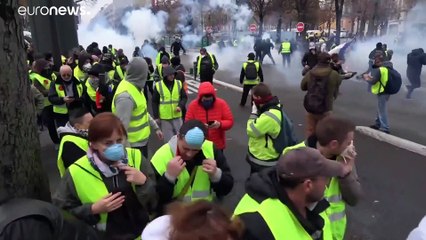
(66, 75)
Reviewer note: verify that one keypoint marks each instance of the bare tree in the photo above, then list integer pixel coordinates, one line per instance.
(307, 12)
(21, 171)
(260, 9)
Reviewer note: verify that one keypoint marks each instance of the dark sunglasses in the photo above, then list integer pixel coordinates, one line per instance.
(66, 75)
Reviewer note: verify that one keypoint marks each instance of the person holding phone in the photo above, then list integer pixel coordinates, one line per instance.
(64, 91)
(112, 187)
(214, 112)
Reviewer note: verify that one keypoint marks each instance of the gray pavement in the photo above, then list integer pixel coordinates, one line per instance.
(393, 179)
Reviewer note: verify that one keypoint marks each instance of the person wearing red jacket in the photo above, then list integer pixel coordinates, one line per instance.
(214, 112)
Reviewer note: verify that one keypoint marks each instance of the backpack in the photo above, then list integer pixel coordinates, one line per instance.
(315, 100)
(394, 82)
(286, 136)
(251, 71)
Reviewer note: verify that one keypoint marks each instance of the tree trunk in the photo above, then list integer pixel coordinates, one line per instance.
(21, 170)
(261, 24)
(279, 26)
(372, 22)
(339, 11)
(362, 26)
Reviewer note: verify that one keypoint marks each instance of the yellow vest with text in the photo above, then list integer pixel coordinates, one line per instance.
(199, 62)
(260, 146)
(45, 82)
(200, 188)
(89, 185)
(138, 129)
(286, 47)
(337, 211)
(169, 101)
(379, 86)
(253, 81)
(60, 90)
(82, 143)
(280, 219)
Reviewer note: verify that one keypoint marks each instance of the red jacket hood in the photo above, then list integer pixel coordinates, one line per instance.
(206, 88)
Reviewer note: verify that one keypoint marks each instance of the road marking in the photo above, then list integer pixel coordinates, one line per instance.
(378, 135)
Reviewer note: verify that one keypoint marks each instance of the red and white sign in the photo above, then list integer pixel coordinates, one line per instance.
(300, 27)
(253, 28)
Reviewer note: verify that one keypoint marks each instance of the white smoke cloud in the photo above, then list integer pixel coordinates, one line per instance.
(103, 34)
(143, 24)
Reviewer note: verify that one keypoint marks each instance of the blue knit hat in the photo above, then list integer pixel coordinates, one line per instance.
(195, 138)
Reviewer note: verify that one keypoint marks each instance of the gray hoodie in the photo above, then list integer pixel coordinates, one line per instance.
(137, 74)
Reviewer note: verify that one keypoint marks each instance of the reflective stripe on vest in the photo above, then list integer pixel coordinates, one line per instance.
(253, 81)
(337, 210)
(89, 185)
(79, 74)
(283, 226)
(138, 129)
(90, 91)
(200, 188)
(60, 91)
(286, 47)
(379, 86)
(45, 83)
(169, 101)
(199, 62)
(82, 143)
(261, 147)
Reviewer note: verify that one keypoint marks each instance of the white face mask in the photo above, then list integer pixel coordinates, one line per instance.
(87, 67)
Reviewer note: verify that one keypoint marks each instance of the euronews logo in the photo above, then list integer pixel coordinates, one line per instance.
(52, 10)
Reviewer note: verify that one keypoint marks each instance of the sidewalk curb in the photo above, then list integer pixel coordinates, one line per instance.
(378, 135)
(393, 140)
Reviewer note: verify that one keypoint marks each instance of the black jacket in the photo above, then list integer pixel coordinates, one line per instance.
(263, 185)
(310, 59)
(34, 219)
(156, 98)
(223, 187)
(56, 100)
(415, 61)
(176, 47)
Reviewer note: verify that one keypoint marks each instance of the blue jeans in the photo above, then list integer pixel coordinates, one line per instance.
(382, 113)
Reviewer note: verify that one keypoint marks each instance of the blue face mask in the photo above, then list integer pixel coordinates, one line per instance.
(114, 152)
(207, 104)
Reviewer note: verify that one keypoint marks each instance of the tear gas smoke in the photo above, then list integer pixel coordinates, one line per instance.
(141, 24)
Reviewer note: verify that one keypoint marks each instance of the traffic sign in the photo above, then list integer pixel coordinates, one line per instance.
(253, 28)
(300, 27)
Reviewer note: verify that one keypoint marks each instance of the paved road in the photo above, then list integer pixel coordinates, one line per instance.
(393, 178)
